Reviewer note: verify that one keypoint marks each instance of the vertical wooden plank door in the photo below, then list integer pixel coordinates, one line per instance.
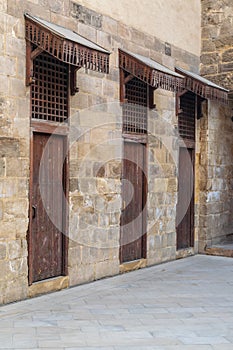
(185, 205)
(133, 225)
(46, 240)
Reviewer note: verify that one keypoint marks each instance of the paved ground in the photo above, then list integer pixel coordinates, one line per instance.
(186, 304)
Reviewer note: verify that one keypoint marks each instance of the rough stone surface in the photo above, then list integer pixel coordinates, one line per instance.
(214, 188)
(217, 29)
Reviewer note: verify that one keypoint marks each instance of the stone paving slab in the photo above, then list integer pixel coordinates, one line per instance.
(184, 304)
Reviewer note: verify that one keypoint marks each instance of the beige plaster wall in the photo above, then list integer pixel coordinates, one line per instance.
(159, 18)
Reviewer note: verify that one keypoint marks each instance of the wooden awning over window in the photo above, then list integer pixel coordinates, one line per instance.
(149, 71)
(203, 87)
(66, 45)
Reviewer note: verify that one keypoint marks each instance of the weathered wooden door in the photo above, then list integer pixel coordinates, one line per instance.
(185, 205)
(46, 240)
(133, 218)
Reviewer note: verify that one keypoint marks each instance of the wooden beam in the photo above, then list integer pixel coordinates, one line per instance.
(29, 64)
(73, 80)
(128, 78)
(122, 85)
(35, 53)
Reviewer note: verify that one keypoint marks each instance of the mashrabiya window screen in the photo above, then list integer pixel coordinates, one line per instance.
(186, 119)
(135, 109)
(49, 93)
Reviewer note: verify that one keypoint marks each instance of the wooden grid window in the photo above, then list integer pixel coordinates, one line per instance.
(49, 93)
(186, 119)
(135, 109)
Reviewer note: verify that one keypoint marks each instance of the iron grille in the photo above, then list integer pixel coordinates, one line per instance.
(186, 119)
(135, 109)
(49, 93)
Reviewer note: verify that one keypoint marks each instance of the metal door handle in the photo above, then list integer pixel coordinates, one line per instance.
(33, 211)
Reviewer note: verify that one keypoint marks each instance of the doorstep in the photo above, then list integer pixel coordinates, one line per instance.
(49, 285)
(184, 253)
(133, 265)
(223, 249)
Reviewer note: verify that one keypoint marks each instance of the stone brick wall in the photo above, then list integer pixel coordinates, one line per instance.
(215, 184)
(216, 142)
(95, 147)
(14, 158)
(217, 47)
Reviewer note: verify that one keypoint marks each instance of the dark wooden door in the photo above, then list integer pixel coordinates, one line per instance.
(46, 240)
(133, 218)
(185, 205)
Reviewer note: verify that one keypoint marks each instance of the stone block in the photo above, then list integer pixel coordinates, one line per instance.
(15, 209)
(114, 218)
(208, 45)
(104, 40)
(4, 85)
(99, 135)
(172, 185)
(208, 70)
(114, 169)
(74, 185)
(87, 186)
(18, 267)
(48, 286)
(3, 6)
(227, 56)
(110, 25)
(105, 152)
(76, 202)
(100, 204)
(81, 274)
(113, 76)
(17, 167)
(21, 72)
(110, 89)
(9, 64)
(171, 239)
(85, 15)
(16, 289)
(87, 31)
(80, 101)
(106, 268)
(2, 41)
(3, 251)
(17, 87)
(74, 255)
(8, 188)
(7, 230)
(99, 169)
(23, 187)
(15, 250)
(95, 119)
(137, 37)
(227, 67)
(114, 205)
(141, 50)
(123, 31)
(24, 148)
(223, 42)
(14, 46)
(2, 167)
(1, 210)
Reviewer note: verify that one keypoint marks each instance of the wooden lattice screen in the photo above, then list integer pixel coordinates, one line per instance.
(135, 109)
(186, 119)
(49, 93)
